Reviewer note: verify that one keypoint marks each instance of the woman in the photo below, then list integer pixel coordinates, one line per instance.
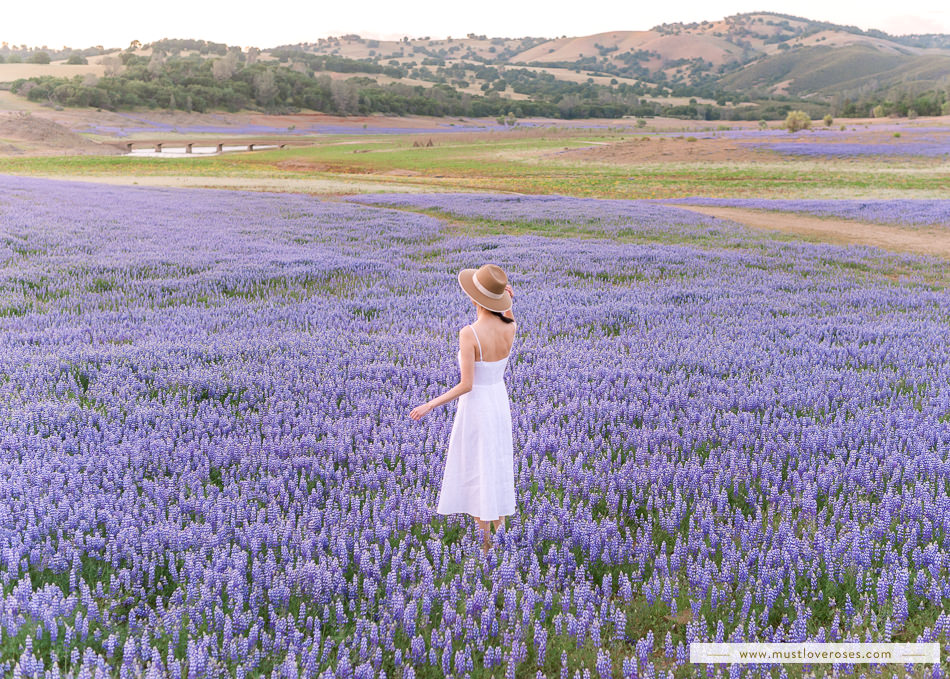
(479, 467)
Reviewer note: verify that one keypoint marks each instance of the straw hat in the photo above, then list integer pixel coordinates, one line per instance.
(486, 285)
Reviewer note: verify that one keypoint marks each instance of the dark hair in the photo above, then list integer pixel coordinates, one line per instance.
(506, 319)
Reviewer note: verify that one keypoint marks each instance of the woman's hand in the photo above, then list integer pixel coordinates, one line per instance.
(509, 290)
(420, 411)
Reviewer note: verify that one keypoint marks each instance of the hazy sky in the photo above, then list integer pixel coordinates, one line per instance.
(115, 23)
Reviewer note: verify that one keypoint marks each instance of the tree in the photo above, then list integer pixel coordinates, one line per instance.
(836, 104)
(345, 96)
(112, 64)
(76, 60)
(156, 63)
(568, 104)
(40, 58)
(265, 87)
(24, 89)
(224, 68)
(221, 69)
(252, 54)
(797, 120)
(828, 120)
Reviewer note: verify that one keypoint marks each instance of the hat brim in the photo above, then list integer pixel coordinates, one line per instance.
(466, 281)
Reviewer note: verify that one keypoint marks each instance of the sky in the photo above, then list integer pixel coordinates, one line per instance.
(116, 23)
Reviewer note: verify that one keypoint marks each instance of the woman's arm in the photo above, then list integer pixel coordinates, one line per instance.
(467, 346)
(510, 313)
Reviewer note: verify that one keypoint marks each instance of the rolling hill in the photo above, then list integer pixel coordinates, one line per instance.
(754, 54)
(742, 66)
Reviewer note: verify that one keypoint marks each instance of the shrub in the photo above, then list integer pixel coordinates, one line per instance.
(797, 120)
(828, 120)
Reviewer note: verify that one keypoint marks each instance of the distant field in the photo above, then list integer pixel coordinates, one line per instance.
(591, 158)
(11, 102)
(530, 164)
(11, 72)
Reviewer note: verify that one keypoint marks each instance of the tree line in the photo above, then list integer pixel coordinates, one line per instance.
(292, 82)
(216, 77)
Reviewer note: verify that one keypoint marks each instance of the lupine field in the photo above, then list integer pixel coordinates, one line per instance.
(902, 212)
(884, 141)
(207, 468)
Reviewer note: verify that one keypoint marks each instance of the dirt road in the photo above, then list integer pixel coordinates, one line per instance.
(923, 240)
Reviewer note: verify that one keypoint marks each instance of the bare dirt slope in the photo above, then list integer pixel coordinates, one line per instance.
(934, 241)
(664, 150)
(11, 72)
(23, 132)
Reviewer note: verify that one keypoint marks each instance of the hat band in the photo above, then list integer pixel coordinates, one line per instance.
(482, 289)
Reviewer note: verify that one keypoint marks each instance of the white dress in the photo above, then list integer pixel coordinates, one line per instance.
(479, 474)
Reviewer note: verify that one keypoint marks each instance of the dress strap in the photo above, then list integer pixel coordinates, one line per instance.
(480, 355)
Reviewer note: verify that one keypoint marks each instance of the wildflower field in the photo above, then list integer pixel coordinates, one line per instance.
(207, 468)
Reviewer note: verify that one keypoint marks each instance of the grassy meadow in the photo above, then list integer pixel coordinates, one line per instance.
(534, 162)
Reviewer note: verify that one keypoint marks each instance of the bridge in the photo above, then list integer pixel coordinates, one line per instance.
(219, 144)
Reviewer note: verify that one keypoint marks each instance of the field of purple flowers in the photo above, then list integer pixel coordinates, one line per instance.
(208, 469)
(898, 140)
(900, 211)
(853, 149)
(885, 141)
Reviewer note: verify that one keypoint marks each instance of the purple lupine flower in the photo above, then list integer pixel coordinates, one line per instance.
(540, 642)
(604, 667)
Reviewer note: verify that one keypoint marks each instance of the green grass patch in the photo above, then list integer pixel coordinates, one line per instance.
(526, 164)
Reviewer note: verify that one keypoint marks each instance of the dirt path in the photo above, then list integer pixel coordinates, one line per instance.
(923, 240)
